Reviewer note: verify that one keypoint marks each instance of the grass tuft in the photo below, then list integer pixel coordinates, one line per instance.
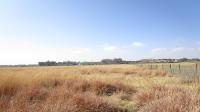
(167, 99)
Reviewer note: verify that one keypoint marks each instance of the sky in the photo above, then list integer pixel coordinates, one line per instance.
(91, 30)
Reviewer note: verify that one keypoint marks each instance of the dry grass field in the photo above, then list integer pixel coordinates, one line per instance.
(100, 88)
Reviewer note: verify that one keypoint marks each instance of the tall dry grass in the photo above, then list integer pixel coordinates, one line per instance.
(81, 70)
(81, 89)
(61, 95)
(122, 69)
(168, 99)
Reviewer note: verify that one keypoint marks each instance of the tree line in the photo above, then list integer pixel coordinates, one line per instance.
(115, 61)
(70, 63)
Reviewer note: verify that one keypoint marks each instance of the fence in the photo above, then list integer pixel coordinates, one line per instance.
(189, 70)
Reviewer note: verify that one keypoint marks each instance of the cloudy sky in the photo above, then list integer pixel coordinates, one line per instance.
(89, 30)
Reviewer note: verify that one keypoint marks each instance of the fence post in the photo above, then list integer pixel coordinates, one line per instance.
(170, 66)
(196, 68)
(179, 67)
(196, 72)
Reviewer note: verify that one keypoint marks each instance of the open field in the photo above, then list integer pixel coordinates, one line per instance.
(100, 88)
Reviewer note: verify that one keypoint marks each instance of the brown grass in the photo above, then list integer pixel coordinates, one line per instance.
(99, 87)
(91, 89)
(9, 86)
(69, 95)
(167, 99)
(127, 70)
(61, 100)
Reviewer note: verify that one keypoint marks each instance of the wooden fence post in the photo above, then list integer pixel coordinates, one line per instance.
(170, 66)
(196, 72)
(179, 67)
(196, 69)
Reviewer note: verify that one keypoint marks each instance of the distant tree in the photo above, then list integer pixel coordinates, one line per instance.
(107, 61)
(112, 61)
(47, 63)
(118, 61)
(68, 63)
(195, 59)
(183, 59)
(53, 63)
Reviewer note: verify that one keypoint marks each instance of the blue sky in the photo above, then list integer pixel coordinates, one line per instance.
(89, 30)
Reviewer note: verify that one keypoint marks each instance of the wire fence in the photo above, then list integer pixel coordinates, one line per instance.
(188, 70)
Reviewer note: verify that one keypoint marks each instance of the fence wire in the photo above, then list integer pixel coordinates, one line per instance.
(189, 70)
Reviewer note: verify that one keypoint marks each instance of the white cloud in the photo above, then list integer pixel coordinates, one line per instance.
(181, 49)
(159, 50)
(111, 48)
(177, 52)
(124, 48)
(172, 50)
(78, 50)
(137, 44)
(30, 52)
(177, 49)
(22, 52)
